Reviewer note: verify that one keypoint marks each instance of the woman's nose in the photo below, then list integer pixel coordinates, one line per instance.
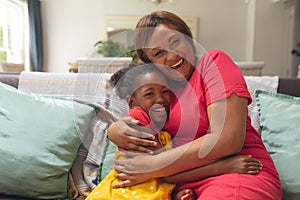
(172, 55)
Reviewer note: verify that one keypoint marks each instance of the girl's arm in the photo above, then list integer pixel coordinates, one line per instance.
(243, 164)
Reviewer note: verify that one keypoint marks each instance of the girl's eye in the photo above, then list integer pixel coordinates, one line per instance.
(149, 94)
(166, 92)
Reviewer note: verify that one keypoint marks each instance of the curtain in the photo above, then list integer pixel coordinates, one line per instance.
(35, 35)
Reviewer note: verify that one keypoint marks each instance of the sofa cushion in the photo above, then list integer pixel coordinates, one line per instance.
(279, 117)
(108, 160)
(39, 140)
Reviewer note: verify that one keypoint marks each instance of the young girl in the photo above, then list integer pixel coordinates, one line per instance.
(148, 97)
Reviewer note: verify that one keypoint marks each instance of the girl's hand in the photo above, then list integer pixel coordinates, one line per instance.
(242, 164)
(130, 138)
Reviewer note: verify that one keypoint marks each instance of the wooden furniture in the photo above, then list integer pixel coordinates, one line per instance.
(11, 67)
(251, 68)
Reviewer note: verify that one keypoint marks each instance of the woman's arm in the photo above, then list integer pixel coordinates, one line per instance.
(226, 137)
(242, 164)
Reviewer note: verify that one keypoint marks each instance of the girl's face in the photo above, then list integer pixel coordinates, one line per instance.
(152, 95)
(171, 52)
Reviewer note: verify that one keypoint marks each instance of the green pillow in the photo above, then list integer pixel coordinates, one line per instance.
(108, 160)
(39, 140)
(279, 117)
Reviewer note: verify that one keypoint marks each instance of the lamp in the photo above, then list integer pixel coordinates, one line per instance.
(156, 1)
(161, 1)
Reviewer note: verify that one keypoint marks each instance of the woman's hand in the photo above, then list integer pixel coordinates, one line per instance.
(132, 171)
(130, 138)
(128, 180)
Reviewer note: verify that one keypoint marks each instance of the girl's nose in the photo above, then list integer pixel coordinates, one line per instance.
(160, 99)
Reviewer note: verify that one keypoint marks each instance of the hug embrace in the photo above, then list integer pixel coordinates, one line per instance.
(200, 100)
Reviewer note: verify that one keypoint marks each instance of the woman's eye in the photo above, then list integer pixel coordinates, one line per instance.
(157, 53)
(175, 43)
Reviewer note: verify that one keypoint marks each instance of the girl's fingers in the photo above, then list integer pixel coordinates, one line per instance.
(253, 172)
(252, 161)
(254, 167)
(251, 165)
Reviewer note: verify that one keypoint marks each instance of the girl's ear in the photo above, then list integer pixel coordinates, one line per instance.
(130, 101)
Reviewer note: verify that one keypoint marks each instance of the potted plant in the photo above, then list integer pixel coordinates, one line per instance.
(111, 48)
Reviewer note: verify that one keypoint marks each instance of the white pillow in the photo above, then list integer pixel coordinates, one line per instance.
(265, 83)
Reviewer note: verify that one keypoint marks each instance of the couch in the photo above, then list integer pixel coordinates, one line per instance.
(286, 86)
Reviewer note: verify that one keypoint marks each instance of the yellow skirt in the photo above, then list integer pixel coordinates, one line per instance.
(153, 189)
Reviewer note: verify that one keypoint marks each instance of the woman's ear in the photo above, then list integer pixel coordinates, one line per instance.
(130, 101)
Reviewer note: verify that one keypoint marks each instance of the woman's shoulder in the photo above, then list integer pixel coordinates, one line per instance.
(216, 58)
(216, 53)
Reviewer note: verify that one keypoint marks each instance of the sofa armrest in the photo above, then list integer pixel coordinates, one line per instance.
(11, 79)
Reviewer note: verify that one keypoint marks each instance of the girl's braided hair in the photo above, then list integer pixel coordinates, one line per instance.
(125, 79)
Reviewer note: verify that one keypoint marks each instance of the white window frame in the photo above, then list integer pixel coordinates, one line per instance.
(15, 13)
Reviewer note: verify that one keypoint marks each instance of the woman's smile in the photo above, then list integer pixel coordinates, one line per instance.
(178, 64)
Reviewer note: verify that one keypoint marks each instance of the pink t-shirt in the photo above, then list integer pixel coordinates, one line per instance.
(215, 78)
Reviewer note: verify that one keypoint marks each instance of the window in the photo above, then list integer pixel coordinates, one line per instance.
(14, 46)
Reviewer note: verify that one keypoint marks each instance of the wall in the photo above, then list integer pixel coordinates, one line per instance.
(268, 37)
(71, 27)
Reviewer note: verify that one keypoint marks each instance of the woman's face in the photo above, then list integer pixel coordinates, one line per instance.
(171, 52)
(153, 96)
